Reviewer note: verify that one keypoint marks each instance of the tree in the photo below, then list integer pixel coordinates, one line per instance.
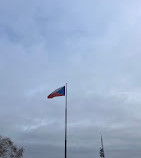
(9, 150)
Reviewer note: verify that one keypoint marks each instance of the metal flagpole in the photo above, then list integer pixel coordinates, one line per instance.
(66, 122)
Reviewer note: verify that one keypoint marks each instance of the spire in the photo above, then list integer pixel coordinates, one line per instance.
(102, 155)
(101, 141)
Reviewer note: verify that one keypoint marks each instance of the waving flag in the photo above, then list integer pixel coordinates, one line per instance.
(58, 92)
(62, 92)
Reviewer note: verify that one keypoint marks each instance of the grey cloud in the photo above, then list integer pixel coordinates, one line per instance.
(94, 46)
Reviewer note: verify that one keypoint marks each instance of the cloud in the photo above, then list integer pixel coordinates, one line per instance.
(95, 47)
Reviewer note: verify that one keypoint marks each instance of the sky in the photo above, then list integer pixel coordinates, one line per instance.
(92, 45)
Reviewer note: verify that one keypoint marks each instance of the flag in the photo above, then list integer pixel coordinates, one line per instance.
(58, 92)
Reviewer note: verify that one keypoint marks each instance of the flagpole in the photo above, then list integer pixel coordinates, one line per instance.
(66, 123)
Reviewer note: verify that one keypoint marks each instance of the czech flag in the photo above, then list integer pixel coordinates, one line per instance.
(58, 92)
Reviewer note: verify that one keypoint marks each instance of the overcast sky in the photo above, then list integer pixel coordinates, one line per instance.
(94, 46)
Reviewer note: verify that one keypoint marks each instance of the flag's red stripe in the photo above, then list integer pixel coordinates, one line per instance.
(54, 95)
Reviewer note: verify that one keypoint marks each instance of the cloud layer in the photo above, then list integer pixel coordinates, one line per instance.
(94, 46)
